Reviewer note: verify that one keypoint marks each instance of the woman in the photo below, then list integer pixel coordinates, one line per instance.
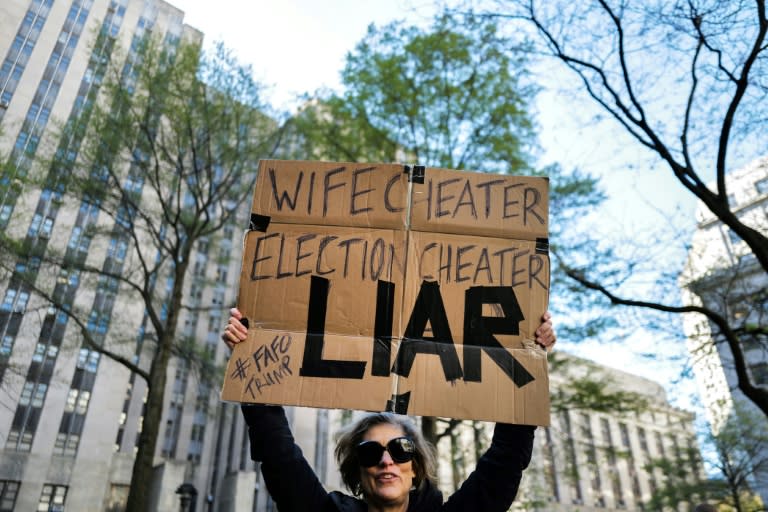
(383, 459)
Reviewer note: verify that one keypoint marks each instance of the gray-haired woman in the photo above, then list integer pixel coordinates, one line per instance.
(383, 460)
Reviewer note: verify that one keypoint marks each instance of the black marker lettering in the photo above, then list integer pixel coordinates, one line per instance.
(531, 198)
(429, 308)
(323, 244)
(353, 209)
(313, 364)
(300, 256)
(328, 187)
(509, 202)
(441, 199)
(257, 259)
(483, 266)
(459, 265)
(279, 200)
(387, 203)
(487, 185)
(470, 201)
(382, 329)
(479, 332)
(280, 274)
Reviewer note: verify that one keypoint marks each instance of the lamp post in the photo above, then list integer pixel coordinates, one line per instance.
(187, 497)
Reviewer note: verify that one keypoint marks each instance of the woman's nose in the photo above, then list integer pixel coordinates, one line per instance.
(386, 459)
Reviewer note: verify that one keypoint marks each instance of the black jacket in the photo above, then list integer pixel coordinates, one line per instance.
(293, 485)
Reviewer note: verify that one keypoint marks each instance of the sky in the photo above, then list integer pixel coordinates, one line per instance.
(297, 46)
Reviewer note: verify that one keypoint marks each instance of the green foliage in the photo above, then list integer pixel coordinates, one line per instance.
(451, 96)
(166, 158)
(586, 388)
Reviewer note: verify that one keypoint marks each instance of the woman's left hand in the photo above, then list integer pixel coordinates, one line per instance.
(545, 334)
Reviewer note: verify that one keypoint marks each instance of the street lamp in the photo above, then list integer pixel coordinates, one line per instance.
(187, 497)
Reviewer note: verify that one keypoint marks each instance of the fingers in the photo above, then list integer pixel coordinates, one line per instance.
(545, 334)
(234, 332)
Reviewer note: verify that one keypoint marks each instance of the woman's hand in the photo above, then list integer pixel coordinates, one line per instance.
(235, 331)
(545, 334)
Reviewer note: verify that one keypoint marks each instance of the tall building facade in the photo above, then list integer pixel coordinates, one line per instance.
(722, 273)
(70, 418)
(588, 460)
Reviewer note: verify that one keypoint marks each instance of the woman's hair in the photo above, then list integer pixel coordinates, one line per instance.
(424, 462)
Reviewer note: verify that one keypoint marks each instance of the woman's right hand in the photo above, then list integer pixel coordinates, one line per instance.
(234, 331)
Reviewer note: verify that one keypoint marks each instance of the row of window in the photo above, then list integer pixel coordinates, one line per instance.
(52, 497)
(596, 467)
(21, 48)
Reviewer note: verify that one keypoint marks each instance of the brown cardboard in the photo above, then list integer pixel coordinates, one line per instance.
(449, 201)
(332, 193)
(397, 293)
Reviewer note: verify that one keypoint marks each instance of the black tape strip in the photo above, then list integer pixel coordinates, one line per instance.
(542, 245)
(429, 307)
(382, 329)
(259, 222)
(313, 364)
(479, 332)
(417, 174)
(398, 404)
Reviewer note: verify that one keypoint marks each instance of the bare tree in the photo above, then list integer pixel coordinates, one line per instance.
(686, 81)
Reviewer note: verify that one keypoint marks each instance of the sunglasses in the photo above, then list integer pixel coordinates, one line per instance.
(401, 449)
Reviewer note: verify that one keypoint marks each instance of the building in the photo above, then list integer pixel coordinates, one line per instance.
(722, 273)
(69, 419)
(588, 460)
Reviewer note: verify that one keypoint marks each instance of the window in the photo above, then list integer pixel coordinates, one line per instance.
(10, 298)
(643, 439)
(624, 435)
(5, 213)
(118, 498)
(760, 373)
(34, 226)
(52, 498)
(9, 489)
(659, 444)
(74, 239)
(6, 346)
(762, 186)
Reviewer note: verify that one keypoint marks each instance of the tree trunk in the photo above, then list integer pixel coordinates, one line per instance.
(143, 466)
(429, 429)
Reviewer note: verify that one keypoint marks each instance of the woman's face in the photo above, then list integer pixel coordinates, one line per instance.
(387, 482)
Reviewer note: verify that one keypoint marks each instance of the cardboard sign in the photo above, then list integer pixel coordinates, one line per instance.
(389, 287)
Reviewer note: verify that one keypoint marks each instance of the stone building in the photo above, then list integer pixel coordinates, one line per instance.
(589, 461)
(722, 273)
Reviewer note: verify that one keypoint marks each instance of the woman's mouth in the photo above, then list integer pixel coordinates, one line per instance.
(386, 477)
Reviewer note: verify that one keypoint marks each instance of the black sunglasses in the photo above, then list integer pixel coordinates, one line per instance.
(401, 449)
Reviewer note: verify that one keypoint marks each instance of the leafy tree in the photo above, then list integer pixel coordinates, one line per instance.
(449, 95)
(696, 110)
(168, 160)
